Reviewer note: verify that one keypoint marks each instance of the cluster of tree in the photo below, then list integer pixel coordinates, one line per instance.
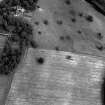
(20, 34)
(28, 5)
